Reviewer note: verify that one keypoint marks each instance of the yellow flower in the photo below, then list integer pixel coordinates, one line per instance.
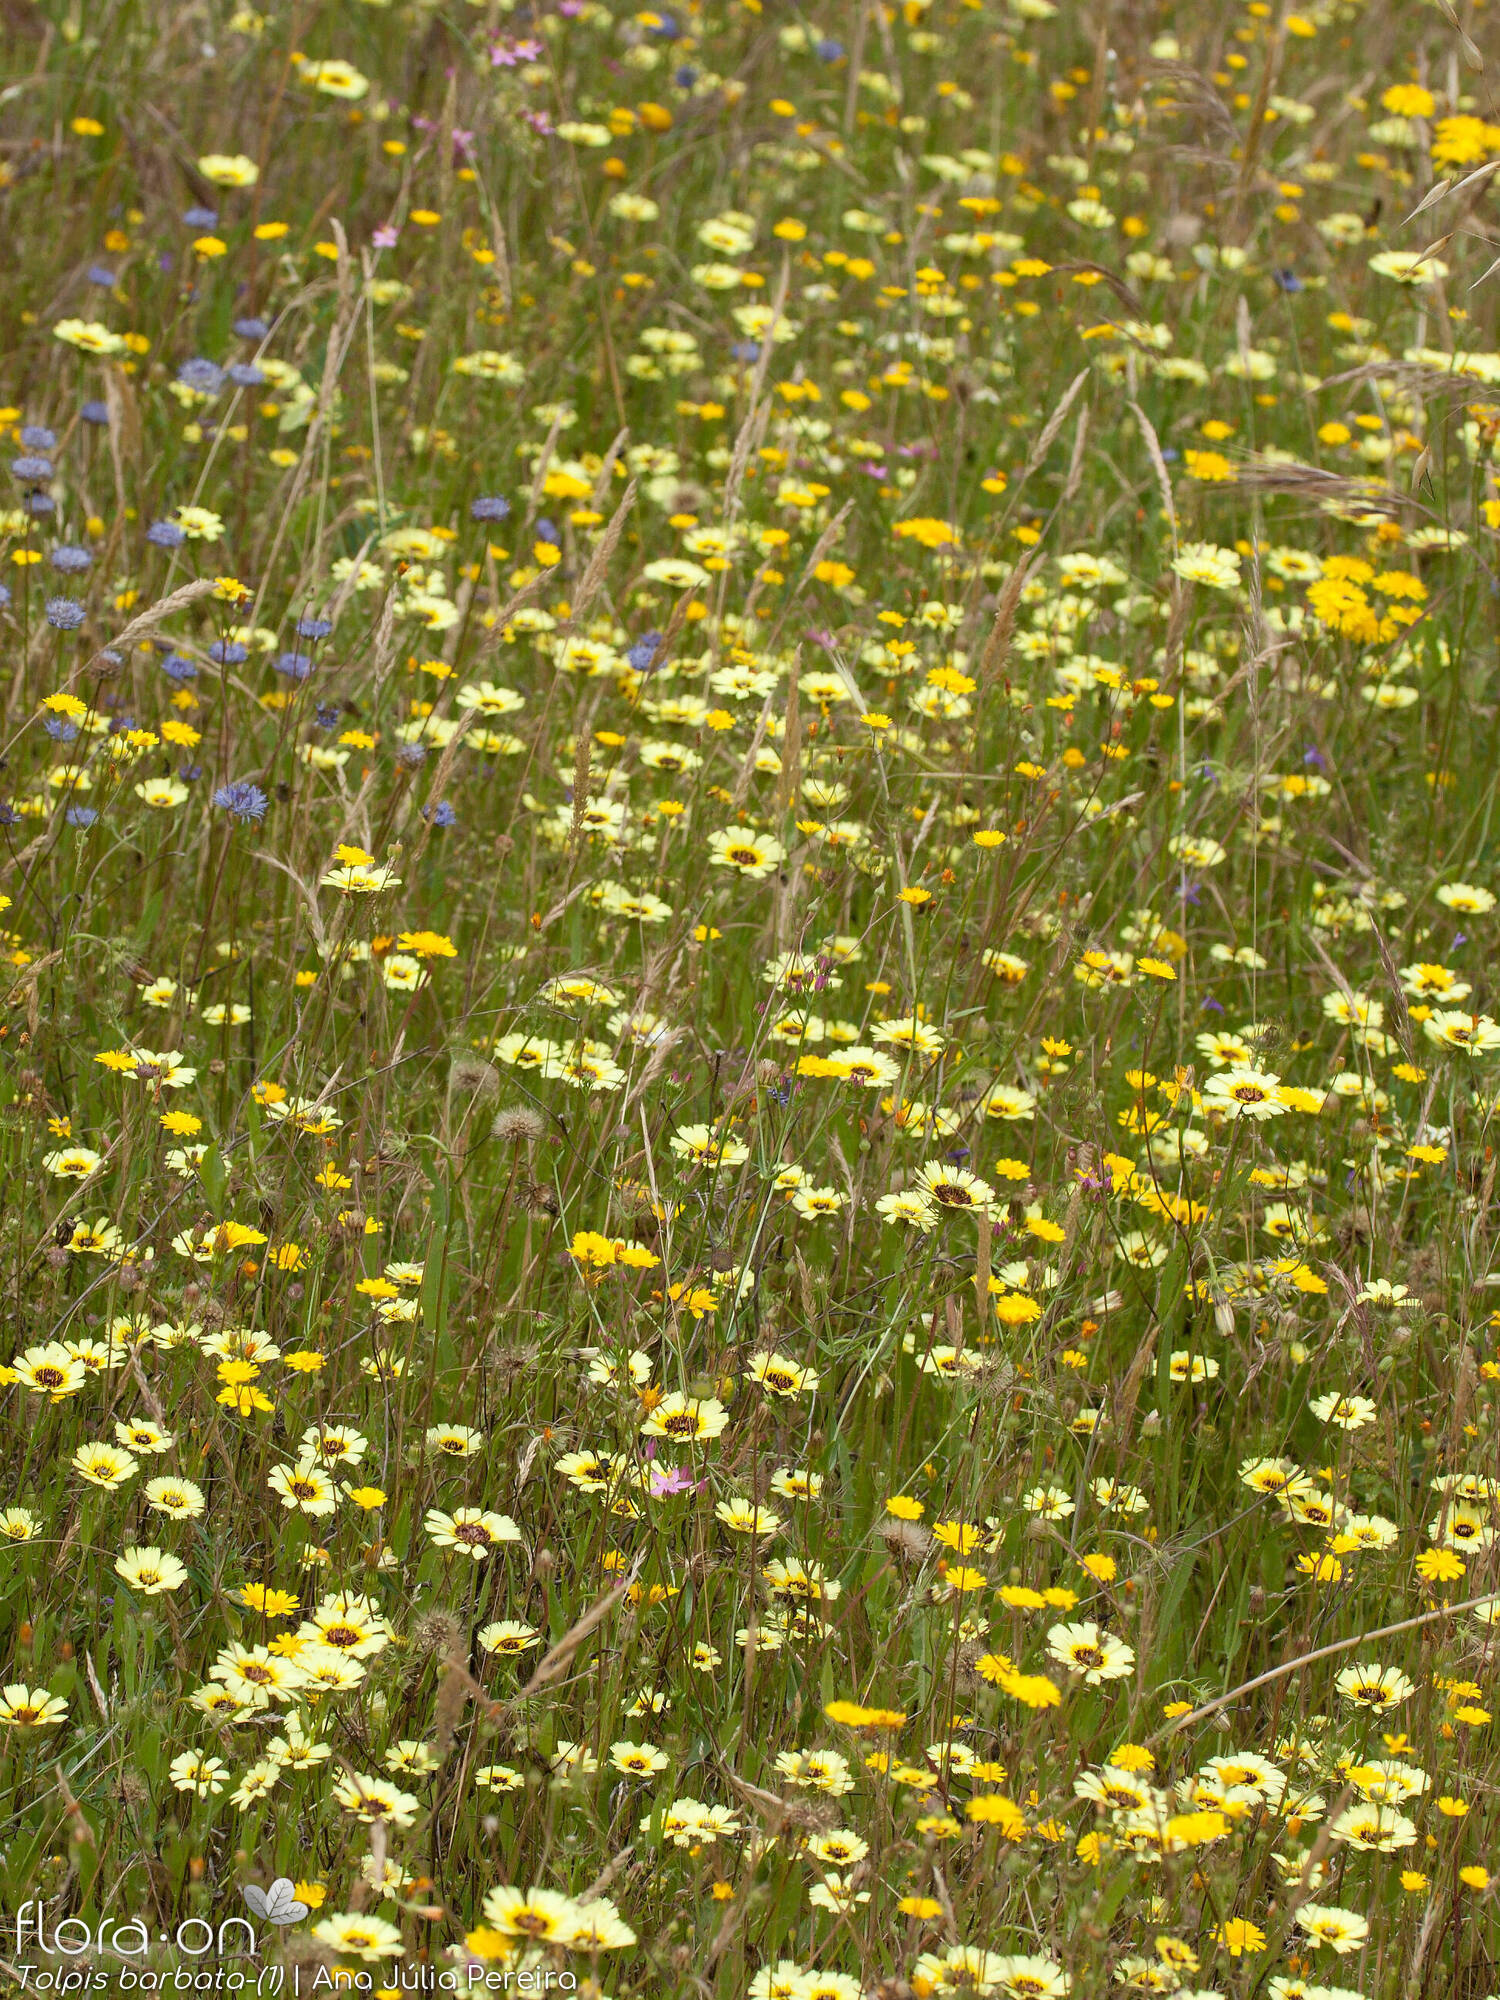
(426, 944)
(1238, 1934)
(1440, 1565)
(932, 534)
(994, 1809)
(1408, 100)
(270, 1603)
(1017, 1309)
(963, 1579)
(854, 1715)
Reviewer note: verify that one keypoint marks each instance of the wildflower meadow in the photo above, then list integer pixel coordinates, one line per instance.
(749, 1042)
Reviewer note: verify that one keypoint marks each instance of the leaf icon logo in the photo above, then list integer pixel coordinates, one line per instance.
(278, 1904)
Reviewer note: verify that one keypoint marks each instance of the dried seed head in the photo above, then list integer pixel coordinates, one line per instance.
(542, 1200)
(447, 1710)
(438, 1632)
(473, 1078)
(908, 1541)
(517, 1125)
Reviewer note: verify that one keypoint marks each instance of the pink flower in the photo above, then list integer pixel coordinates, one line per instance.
(505, 55)
(676, 1479)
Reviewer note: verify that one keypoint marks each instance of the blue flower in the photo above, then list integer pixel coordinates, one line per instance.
(828, 50)
(442, 814)
(410, 755)
(40, 503)
(295, 666)
(70, 560)
(9, 816)
(198, 217)
(228, 653)
(643, 652)
(314, 628)
(251, 329)
(59, 728)
(327, 715)
(242, 800)
(37, 437)
(177, 667)
(205, 376)
(31, 469)
(80, 815)
(489, 507)
(98, 275)
(165, 535)
(64, 614)
(245, 374)
(95, 412)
